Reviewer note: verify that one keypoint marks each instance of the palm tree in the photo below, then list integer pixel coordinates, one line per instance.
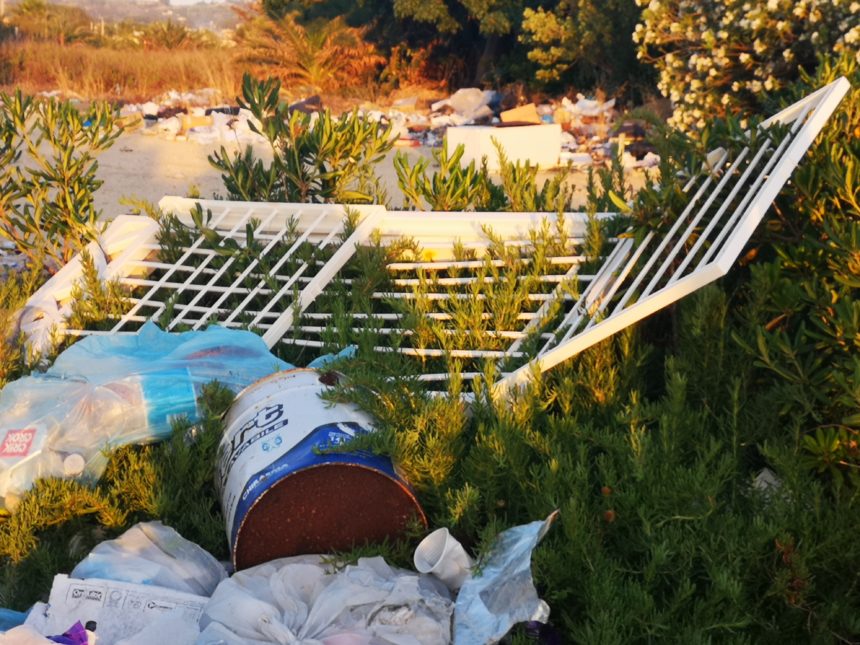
(41, 20)
(323, 56)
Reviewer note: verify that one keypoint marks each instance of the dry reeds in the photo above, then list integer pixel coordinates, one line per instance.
(103, 73)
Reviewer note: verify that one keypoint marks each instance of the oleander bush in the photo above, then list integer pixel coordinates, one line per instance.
(315, 158)
(722, 56)
(48, 151)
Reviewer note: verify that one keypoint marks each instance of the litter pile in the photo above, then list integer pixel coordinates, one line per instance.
(289, 496)
(113, 390)
(152, 585)
(590, 132)
(205, 126)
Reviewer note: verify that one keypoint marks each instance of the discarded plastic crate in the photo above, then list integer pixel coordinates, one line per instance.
(277, 268)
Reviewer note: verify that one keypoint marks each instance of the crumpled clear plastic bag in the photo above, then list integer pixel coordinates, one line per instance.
(502, 593)
(304, 601)
(151, 553)
(110, 390)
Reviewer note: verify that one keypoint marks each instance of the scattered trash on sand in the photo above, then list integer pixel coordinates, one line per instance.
(588, 125)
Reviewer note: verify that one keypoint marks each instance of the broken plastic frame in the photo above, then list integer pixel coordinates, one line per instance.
(294, 253)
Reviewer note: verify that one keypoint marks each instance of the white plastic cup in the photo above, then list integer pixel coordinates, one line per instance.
(441, 555)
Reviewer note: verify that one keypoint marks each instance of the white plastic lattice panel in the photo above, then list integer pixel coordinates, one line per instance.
(703, 242)
(253, 265)
(517, 290)
(488, 299)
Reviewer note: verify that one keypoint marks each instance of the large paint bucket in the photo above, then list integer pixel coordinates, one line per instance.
(283, 495)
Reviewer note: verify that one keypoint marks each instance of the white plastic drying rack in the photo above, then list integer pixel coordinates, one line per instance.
(303, 250)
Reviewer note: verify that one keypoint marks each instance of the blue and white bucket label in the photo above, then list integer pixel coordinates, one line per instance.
(283, 431)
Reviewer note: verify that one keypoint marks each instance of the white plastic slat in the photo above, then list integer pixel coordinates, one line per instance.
(756, 188)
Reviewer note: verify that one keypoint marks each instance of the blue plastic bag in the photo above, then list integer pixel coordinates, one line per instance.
(10, 618)
(110, 390)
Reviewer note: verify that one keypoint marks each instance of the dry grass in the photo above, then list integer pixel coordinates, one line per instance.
(102, 73)
(133, 75)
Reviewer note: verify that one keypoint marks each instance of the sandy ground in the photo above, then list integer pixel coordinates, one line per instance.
(149, 167)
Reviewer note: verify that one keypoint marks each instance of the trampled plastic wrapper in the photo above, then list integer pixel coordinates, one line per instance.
(110, 390)
(304, 601)
(121, 611)
(153, 554)
(502, 593)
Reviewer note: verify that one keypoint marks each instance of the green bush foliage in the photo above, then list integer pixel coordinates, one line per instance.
(805, 300)
(653, 443)
(324, 159)
(584, 43)
(48, 169)
(452, 187)
(721, 56)
(15, 288)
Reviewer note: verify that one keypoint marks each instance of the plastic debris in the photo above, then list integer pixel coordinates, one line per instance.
(10, 618)
(153, 554)
(24, 635)
(77, 634)
(467, 102)
(120, 610)
(441, 554)
(587, 123)
(306, 601)
(502, 593)
(114, 390)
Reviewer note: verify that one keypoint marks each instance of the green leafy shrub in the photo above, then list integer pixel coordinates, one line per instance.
(582, 42)
(96, 304)
(804, 309)
(715, 57)
(453, 187)
(15, 288)
(46, 197)
(314, 159)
